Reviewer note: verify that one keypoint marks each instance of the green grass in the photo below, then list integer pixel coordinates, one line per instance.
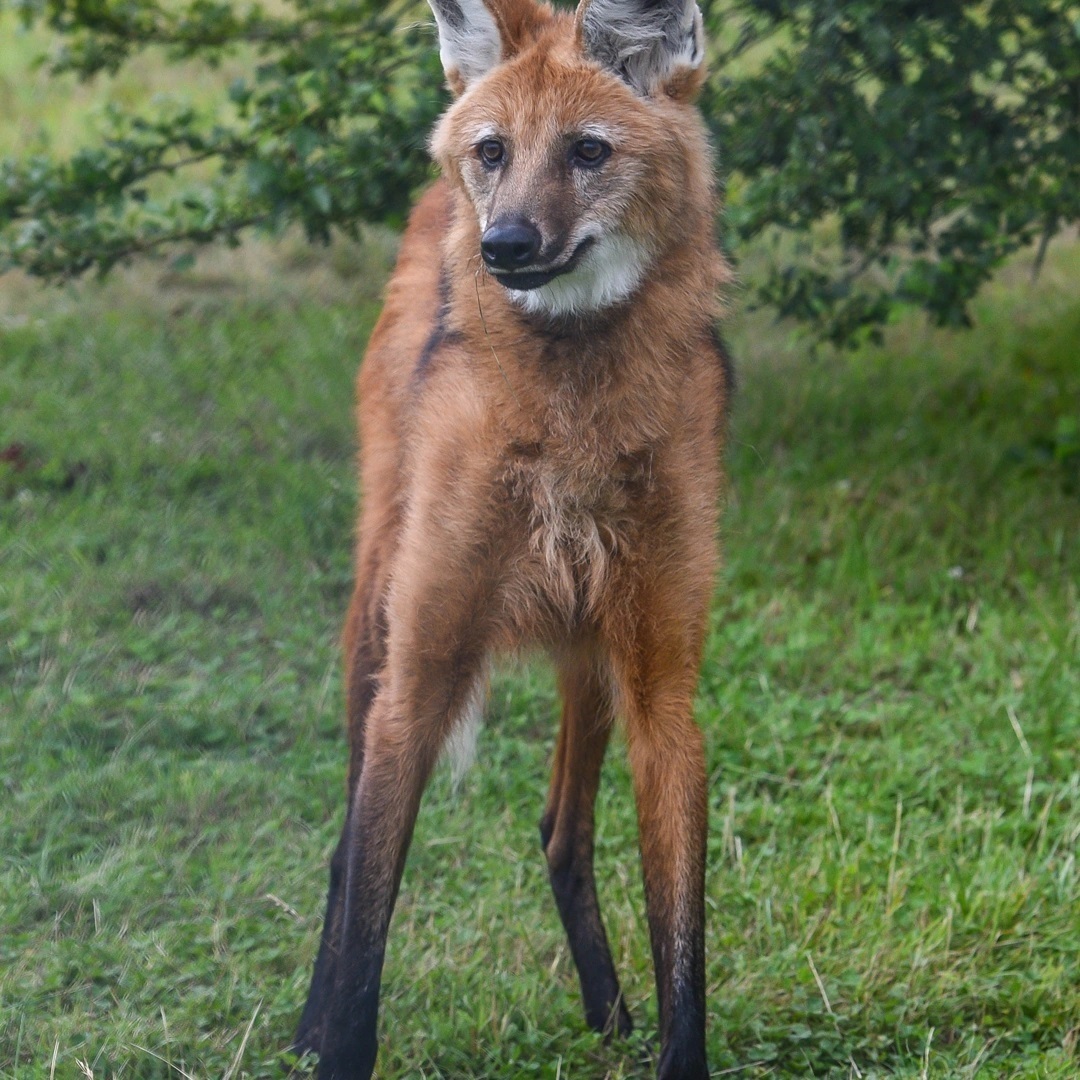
(891, 698)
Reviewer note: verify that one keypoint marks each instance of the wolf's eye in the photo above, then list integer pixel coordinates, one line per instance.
(588, 153)
(491, 152)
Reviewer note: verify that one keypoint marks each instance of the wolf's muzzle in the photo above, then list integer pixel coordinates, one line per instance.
(533, 279)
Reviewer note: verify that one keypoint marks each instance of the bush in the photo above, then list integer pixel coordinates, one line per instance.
(932, 138)
(888, 151)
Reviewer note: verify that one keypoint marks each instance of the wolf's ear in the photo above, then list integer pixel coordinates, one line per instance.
(470, 43)
(647, 43)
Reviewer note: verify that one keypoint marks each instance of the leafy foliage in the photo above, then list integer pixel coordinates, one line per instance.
(933, 138)
(890, 152)
(327, 130)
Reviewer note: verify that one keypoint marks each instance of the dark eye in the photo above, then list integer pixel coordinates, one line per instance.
(588, 153)
(491, 152)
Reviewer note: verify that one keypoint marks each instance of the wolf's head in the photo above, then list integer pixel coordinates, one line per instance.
(575, 141)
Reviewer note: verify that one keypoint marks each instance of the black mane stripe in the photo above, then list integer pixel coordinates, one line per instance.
(439, 334)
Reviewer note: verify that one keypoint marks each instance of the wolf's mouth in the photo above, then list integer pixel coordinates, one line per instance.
(533, 279)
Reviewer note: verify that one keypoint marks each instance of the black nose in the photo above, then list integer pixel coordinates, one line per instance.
(510, 245)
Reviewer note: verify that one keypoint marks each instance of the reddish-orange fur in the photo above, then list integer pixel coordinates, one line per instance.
(538, 482)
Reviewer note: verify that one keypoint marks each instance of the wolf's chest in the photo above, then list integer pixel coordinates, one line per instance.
(579, 516)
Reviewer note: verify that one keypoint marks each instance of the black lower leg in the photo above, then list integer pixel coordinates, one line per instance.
(380, 824)
(574, 887)
(309, 1031)
(682, 1015)
(363, 665)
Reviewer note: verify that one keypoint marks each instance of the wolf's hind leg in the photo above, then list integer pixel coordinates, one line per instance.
(566, 832)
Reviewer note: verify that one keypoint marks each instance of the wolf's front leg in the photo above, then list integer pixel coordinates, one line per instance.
(656, 667)
(438, 633)
(670, 787)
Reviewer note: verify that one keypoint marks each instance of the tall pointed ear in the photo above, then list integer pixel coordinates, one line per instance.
(470, 43)
(647, 43)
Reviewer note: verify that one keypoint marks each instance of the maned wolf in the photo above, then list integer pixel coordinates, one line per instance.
(541, 410)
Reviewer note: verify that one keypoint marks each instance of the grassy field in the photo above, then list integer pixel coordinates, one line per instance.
(891, 698)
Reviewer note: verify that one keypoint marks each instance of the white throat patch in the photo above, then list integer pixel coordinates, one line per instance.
(608, 273)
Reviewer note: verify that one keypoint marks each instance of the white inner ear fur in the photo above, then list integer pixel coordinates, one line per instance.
(469, 39)
(644, 46)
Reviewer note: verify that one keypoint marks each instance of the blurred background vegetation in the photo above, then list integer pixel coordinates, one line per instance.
(881, 153)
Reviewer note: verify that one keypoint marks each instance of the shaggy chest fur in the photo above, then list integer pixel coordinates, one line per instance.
(579, 503)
